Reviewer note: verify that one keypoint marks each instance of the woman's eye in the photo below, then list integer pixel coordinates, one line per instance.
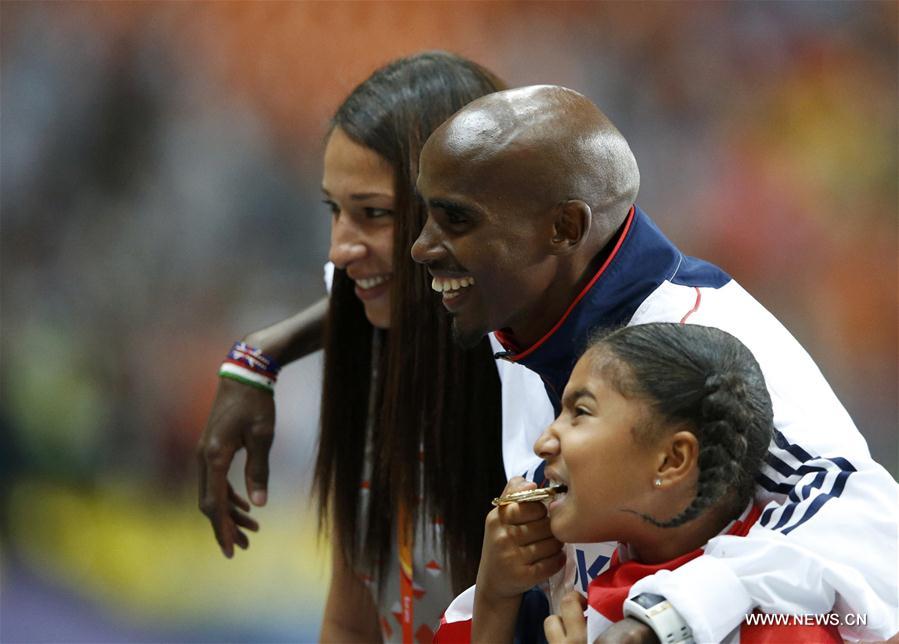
(374, 213)
(454, 218)
(332, 207)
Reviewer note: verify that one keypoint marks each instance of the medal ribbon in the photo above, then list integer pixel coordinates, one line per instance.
(405, 541)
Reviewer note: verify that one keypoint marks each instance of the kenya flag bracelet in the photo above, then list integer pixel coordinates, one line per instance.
(251, 367)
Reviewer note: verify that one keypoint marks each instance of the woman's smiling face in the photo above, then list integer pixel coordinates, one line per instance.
(358, 185)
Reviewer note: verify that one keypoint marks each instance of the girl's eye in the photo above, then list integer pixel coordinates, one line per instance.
(332, 207)
(374, 213)
(581, 411)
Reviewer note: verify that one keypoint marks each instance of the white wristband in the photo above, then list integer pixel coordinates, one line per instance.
(246, 376)
(657, 612)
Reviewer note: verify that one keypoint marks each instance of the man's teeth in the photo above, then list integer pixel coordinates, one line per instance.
(370, 282)
(451, 285)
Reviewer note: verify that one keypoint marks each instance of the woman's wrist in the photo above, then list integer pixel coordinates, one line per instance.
(267, 342)
(294, 337)
(251, 366)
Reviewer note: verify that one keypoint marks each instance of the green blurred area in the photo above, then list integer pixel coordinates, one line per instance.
(159, 172)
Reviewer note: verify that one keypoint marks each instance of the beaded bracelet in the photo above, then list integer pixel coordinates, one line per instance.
(251, 367)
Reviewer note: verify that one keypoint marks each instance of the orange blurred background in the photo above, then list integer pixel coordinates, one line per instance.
(159, 165)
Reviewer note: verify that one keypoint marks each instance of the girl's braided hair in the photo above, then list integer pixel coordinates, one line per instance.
(707, 379)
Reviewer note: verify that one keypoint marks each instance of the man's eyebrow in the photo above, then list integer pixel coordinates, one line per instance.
(578, 393)
(451, 206)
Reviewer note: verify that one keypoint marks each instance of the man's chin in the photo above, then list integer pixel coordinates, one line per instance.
(466, 338)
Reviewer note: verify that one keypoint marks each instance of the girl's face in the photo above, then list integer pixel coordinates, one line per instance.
(591, 448)
(358, 188)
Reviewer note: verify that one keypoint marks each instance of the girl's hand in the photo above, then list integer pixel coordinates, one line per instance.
(628, 631)
(519, 549)
(570, 625)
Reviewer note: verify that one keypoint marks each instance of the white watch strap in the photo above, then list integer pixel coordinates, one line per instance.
(663, 619)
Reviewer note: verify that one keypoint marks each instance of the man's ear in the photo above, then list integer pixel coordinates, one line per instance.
(570, 226)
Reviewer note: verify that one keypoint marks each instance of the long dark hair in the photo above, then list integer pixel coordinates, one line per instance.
(708, 379)
(434, 410)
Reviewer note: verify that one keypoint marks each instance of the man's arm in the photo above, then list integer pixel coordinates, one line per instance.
(843, 559)
(243, 417)
(829, 531)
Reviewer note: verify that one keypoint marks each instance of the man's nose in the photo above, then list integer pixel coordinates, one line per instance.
(427, 247)
(347, 245)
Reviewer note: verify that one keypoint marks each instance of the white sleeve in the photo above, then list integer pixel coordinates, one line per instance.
(782, 574)
(526, 413)
(328, 275)
(828, 535)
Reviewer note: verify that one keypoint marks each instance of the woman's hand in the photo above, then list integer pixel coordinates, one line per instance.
(242, 417)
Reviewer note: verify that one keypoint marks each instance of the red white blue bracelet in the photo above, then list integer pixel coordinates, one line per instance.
(251, 367)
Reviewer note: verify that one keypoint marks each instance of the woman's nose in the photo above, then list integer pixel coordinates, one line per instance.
(346, 243)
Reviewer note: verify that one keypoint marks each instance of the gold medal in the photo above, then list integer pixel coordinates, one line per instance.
(540, 494)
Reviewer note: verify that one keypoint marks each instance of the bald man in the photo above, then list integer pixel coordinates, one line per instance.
(532, 233)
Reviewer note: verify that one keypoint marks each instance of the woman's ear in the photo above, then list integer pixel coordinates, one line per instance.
(678, 457)
(570, 226)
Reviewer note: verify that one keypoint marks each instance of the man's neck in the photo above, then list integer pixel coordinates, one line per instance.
(559, 297)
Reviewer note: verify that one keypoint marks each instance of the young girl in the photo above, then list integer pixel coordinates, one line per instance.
(662, 431)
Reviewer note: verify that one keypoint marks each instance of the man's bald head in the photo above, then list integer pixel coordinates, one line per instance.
(524, 189)
(549, 143)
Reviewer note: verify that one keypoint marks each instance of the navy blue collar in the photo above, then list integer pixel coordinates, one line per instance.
(641, 258)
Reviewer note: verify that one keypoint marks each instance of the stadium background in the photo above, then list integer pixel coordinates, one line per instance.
(160, 169)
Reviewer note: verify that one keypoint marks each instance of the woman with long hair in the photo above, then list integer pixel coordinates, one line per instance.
(408, 420)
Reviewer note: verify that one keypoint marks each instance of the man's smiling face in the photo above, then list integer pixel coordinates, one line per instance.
(485, 241)
(523, 188)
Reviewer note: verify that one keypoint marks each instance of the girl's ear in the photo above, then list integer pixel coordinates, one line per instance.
(678, 458)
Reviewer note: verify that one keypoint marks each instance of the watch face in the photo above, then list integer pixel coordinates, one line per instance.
(648, 600)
